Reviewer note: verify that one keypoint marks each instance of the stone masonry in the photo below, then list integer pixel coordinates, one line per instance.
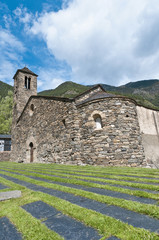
(62, 130)
(119, 141)
(5, 156)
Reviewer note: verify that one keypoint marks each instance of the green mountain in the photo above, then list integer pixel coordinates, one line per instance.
(67, 89)
(4, 88)
(145, 92)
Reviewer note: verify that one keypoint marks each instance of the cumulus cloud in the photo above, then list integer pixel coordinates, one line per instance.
(11, 50)
(50, 78)
(104, 41)
(24, 16)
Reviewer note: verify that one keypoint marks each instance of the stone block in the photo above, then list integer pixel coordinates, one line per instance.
(9, 195)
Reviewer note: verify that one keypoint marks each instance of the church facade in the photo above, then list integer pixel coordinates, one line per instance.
(96, 127)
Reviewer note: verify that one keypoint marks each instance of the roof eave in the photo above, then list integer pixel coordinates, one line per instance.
(19, 70)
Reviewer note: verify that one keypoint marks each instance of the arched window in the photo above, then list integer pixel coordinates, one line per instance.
(98, 121)
(31, 110)
(32, 107)
(31, 152)
(64, 122)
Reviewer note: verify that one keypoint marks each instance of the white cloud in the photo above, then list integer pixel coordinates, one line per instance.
(7, 21)
(9, 42)
(104, 41)
(24, 16)
(50, 78)
(10, 58)
(55, 82)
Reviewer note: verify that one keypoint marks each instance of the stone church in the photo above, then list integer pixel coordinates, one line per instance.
(96, 127)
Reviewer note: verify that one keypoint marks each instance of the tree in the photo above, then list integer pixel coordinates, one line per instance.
(6, 105)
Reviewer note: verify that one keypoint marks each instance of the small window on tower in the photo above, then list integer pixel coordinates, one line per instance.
(27, 82)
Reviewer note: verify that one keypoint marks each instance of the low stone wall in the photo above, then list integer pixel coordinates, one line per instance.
(5, 156)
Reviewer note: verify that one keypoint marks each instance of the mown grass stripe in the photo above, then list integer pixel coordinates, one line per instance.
(112, 170)
(30, 228)
(105, 225)
(101, 191)
(103, 176)
(94, 189)
(64, 225)
(90, 184)
(132, 218)
(147, 209)
(2, 186)
(89, 168)
(114, 184)
(116, 228)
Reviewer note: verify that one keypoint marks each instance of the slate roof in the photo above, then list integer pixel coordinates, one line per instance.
(25, 70)
(98, 95)
(89, 90)
(2, 136)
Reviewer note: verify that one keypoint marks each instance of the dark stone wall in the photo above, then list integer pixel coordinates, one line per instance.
(21, 94)
(52, 129)
(119, 141)
(5, 156)
(62, 132)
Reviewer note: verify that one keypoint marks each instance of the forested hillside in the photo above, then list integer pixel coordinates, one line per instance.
(4, 88)
(145, 92)
(67, 89)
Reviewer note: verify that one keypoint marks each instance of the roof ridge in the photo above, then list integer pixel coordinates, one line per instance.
(25, 70)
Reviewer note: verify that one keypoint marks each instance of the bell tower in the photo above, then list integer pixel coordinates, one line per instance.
(25, 85)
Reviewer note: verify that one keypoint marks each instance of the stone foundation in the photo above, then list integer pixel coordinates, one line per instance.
(5, 156)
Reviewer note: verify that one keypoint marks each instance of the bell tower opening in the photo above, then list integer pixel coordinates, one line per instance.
(27, 82)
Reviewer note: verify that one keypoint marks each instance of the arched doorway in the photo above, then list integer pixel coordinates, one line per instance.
(31, 152)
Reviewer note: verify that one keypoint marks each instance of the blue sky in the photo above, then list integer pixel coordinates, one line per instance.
(111, 42)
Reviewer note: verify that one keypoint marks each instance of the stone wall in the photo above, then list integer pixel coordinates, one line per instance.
(62, 132)
(5, 156)
(149, 128)
(51, 128)
(118, 142)
(87, 94)
(21, 94)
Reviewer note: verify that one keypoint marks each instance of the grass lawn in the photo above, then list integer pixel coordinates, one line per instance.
(78, 181)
